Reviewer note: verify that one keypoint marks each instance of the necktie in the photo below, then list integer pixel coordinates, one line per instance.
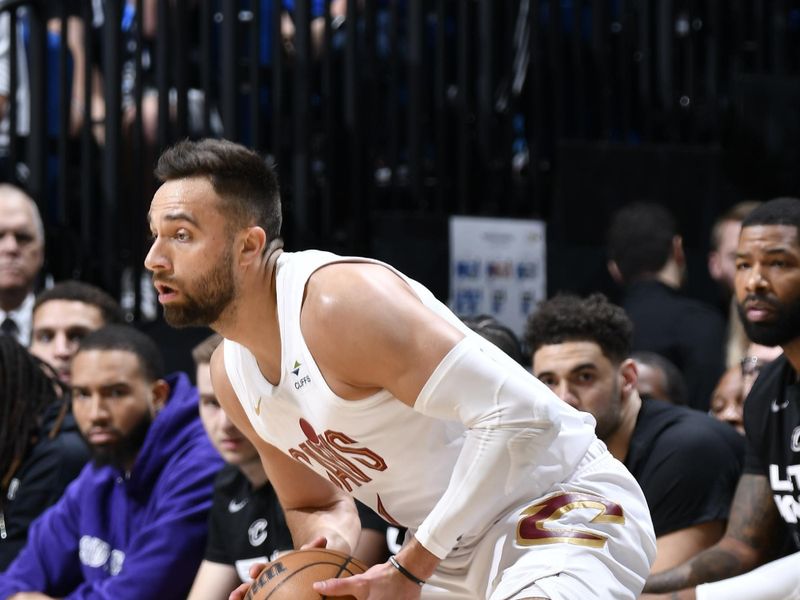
(9, 327)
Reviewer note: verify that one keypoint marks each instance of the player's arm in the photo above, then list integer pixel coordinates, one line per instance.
(676, 547)
(368, 330)
(749, 541)
(778, 579)
(213, 581)
(313, 506)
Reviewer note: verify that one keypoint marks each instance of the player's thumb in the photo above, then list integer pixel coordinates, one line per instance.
(240, 592)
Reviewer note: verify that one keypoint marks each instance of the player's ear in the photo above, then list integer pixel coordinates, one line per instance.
(629, 376)
(613, 270)
(253, 242)
(159, 395)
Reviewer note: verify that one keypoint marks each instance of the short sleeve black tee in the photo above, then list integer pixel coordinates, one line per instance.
(687, 464)
(244, 525)
(772, 423)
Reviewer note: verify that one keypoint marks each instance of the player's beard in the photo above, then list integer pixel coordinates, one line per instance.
(211, 294)
(782, 329)
(122, 453)
(609, 421)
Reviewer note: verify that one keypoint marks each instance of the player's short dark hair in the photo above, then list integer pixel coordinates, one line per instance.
(245, 181)
(202, 352)
(567, 318)
(127, 339)
(78, 291)
(779, 211)
(640, 239)
(676, 389)
(493, 330)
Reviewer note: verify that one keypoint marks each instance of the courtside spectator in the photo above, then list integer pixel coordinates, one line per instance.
(133, 524)
(646, 256)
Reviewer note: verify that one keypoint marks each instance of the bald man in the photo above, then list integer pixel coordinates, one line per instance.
(21, 259)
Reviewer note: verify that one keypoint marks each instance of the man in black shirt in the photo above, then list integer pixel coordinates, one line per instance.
(246, 524)
(646, 255)
(766, 504)
(581, 350)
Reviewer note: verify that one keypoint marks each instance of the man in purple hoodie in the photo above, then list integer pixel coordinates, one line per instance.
(133, 524)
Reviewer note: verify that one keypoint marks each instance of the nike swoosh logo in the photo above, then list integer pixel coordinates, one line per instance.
(778, 407)
(258, 406)
(235, 506)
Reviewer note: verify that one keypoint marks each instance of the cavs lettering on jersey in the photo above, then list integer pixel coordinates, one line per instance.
(346, 463)
(392, 458)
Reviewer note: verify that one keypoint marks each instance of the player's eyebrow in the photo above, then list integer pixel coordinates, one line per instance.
(582, 366)
(181, 215)
(178, 215)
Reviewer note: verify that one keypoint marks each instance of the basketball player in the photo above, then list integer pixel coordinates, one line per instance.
(353, 380)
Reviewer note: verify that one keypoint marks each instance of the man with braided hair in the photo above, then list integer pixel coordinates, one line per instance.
(353, 380)
(41, 449)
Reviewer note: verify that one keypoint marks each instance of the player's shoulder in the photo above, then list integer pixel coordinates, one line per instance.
(680, 429)
(771, 378)
(354, 274)
(217, 363)
(341, 293)
(768, 390)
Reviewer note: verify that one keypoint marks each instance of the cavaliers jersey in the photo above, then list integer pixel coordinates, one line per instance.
(392, 458)
(772, 423)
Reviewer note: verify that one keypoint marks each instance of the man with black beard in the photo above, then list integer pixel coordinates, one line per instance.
(767, 502)
(133, 524)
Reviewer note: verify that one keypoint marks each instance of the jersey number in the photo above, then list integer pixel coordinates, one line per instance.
(531, 529)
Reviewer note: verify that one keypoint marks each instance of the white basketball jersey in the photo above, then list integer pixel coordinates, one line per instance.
(386, 454)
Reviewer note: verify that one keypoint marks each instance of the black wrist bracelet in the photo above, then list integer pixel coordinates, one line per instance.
(406, 573)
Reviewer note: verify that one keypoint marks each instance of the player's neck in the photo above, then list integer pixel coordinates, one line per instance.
(254, 472)
(619, 441)
(255, 304)
(253, 322)
(792, 352)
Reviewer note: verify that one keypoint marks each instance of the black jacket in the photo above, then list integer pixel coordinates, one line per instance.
(51, 464)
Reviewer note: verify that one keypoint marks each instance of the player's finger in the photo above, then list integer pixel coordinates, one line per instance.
(256, 568)
(240, 592)
(319, 542)
(340, 587)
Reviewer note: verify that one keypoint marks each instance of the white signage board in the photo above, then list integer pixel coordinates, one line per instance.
(497, 268)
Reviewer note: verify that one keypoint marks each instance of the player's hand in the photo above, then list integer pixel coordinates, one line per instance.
(240, 592)
(381, 582)
(318, 542)
(331, 541)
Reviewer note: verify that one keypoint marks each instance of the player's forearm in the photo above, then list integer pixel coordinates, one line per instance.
(338, 523)
(718, 562)
(417, 560)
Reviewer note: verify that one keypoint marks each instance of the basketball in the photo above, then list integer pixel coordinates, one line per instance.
(290, 576)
